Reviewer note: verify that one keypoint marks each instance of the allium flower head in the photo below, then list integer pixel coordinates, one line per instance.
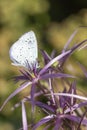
(61, 108)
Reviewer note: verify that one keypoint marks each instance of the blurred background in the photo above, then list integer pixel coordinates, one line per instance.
(53, 21)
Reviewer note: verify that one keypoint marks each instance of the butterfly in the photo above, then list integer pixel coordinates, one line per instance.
(24, 52)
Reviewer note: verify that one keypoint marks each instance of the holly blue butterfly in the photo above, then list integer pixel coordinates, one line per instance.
(24, 52)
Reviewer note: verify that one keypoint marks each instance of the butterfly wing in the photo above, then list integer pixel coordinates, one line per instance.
(24, 52)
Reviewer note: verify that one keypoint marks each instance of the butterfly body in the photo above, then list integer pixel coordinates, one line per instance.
(24, 52)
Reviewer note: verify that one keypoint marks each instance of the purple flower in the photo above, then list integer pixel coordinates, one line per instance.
(63, 107)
